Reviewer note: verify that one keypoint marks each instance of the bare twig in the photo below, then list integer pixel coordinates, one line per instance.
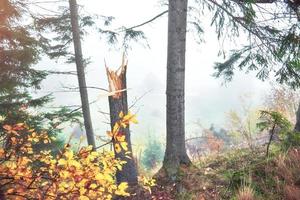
(146, 22)
(63, 73)
(109, 142)
(88, 87)
(138, 99)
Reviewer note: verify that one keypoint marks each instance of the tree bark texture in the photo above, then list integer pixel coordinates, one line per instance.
(80, 74)
(175, 153)
(118, 103)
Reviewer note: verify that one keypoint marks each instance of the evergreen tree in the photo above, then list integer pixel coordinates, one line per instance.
(273, 47)
(19, 52)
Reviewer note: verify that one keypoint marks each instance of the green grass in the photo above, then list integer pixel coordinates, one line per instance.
(229, 171)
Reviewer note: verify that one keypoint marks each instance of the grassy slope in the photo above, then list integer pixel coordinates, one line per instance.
(222, 176)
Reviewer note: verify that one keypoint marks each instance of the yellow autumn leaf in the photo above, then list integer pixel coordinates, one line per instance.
(89, 148)
(74, 163)
(82, 190)
(62, 162)
(64, 185)
(53, 162)
(99, 177)
(134, 120)
(120, 138)
(29, 151)
(118, 148)
(130, 118)
(93, 186)
(121, 190)
(115, 128)
(23, 161)
(121, 114)
(119, 167)
(69, 154)
(124, 145)
(84, 198)
(64, 174)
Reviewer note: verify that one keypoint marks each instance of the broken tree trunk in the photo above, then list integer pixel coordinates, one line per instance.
(117, 104)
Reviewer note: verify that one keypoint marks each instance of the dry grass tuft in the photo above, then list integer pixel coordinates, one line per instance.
(288, 171)
(245, 193)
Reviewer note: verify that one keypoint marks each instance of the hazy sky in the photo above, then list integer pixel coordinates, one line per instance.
(206, 99)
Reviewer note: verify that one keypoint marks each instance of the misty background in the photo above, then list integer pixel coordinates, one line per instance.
(207, 99)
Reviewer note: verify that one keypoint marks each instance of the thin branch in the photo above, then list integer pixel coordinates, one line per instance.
(138, 99)
(46, 9)
(195, 138)
(46, 2)
(104, 113)
(257, 1)
(109, 142)
(75, 110)
(238, 20)
(88, 87)
(63, 73)
(146, 22)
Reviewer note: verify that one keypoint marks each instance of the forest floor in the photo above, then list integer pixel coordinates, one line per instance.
(235, 175)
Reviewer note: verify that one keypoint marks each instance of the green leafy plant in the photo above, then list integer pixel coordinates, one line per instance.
(152, 155)
(275, 122)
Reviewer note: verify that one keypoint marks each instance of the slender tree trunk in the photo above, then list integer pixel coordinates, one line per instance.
(175, 153)
(80, 73)
(297, 126)
(118, 103)
(272, 132)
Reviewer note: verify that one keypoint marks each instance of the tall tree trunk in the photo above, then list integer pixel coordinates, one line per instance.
(297, 126)
(117, 104)
(80, 73)
(175, 153)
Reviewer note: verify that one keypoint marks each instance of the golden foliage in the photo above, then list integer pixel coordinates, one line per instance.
(82, 175)
(117, 135)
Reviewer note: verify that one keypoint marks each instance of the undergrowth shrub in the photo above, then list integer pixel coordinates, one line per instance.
(288, 172)
(83, 175)
(152, 155)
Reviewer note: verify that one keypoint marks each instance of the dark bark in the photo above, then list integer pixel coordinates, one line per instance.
(175, 153)
(297, 126)
(272, 132)
(80, 73)
(118, 103)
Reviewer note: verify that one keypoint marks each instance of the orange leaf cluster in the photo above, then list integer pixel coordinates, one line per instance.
(117, 135)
